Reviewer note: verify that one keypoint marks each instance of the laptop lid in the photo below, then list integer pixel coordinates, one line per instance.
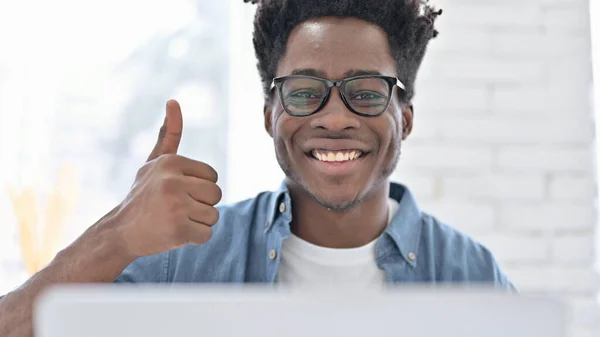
(251, 311)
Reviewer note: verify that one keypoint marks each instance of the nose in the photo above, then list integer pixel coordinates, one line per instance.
(335, 116)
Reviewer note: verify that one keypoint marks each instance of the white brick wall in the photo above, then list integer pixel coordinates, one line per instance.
(503, 146)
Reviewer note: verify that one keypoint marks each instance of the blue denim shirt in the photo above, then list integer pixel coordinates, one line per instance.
(414, 248)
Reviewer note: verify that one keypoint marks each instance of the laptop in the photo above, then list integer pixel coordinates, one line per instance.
(261, 311)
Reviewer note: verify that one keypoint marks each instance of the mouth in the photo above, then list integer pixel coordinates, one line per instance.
(336, 162)
(339, 156)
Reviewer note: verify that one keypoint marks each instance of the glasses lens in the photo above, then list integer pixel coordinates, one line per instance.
(302, 96)
(368, 96)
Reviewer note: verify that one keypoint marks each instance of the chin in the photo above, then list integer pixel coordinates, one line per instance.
(337, 205)
(337, 198)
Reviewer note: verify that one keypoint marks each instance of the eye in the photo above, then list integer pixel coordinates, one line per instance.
(366, 95)
(303, 94)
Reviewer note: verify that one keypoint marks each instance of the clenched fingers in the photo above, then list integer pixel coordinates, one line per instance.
(187, 166)
(202, 213)
(196, 233)
(203, 191)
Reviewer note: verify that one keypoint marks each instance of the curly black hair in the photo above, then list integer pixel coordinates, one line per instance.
(408, 23)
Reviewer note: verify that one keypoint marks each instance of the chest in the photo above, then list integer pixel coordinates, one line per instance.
(302, 262)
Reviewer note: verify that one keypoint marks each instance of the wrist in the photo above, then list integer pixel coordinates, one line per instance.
(111, 240)
(100, 245)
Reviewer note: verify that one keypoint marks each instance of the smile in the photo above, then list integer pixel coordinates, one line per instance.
(337, 162)
(336, 156)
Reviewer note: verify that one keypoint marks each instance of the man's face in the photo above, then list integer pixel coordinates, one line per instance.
(336, 49)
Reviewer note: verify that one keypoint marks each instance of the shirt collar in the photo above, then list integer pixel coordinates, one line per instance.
(404, 229)
(279, 197)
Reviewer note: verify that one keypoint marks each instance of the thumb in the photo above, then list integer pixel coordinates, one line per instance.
(169, 135)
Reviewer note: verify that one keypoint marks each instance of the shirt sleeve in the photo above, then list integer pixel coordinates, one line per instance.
(484, 268)
(499, 278)
(461, 259)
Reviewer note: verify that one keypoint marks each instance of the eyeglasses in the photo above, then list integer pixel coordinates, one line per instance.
(367, 95)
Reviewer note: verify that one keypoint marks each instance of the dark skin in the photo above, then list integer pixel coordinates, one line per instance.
(349, 209)
(171, 202)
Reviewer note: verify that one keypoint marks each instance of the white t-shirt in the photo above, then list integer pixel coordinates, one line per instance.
(303, 262)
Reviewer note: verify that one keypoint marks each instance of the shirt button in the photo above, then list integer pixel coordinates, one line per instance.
(282, 207)
(273, 254)
(411, 256)
(268, 223)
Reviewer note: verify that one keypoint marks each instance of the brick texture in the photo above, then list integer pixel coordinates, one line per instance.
(504, 142)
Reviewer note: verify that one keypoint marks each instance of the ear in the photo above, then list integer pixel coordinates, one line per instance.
(407, 120)
(268, 114)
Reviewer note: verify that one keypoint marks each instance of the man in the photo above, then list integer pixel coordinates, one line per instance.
(338, 79)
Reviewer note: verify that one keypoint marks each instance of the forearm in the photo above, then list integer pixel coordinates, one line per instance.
(93, 258)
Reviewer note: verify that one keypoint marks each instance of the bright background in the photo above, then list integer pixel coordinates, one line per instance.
(504, 145)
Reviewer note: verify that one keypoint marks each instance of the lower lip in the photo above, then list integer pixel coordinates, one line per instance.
(336, 168)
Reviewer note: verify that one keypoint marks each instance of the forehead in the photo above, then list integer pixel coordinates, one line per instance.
(335, 46)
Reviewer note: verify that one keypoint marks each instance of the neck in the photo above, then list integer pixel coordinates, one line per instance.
(356, 227)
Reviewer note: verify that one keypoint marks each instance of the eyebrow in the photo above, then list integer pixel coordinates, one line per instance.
(361, 72)
(322, 74)
(310, 72)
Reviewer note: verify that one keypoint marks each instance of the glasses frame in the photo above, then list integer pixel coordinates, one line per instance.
(392, 81)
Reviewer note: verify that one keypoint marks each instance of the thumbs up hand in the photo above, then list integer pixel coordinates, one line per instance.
(169, 135)
(171, 203)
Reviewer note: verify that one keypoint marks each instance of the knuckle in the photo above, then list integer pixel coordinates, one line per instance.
(142, 171)
(212, 216)
(208, 233)
(175, 209)
(208, 172)
(215, 194)
(167, 184)
(166, 160)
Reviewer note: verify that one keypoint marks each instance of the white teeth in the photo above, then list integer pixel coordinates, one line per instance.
(336, 156)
